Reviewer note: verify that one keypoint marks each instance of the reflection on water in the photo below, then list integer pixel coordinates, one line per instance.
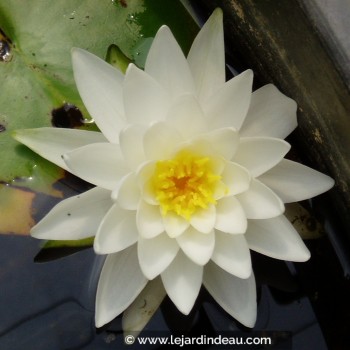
(49, 306)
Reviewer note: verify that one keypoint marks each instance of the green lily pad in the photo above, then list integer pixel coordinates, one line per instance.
(37, 82)
(36, 74)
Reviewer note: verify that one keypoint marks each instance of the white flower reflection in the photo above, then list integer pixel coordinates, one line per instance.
(189, 172)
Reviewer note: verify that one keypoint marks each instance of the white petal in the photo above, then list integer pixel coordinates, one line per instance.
(51, 143)
(174, 224)
(145, 172)
(182, 280)
(145, 101)
(232, 254)
(138, 314)
(128, 193)
(121, 281)
(160, 140)
(223, 142)
(235, 295)
(167, 64)
(186, 116)
(131, 144)
(221, 190)
(294, 182)
(236, 178)
(102, 164)
(100, 88)
(148, 194)
(145, 182)
(116, 232)
(229, 105)
(196, 245)
(149, 220)
(230, 216)
(75, 217)
(276, 238)
(259, 154)
(207, 57)
(270, 114)
(156, 254)
(203, 220)
(259, 202)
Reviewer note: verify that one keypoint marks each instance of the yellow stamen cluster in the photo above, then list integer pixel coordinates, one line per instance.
(184, 184)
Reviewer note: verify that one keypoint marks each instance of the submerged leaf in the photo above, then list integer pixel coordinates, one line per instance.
(53, 250)
(15, 213)
(304, 222)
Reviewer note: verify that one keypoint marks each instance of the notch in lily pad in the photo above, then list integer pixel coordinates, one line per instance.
(117, 58)
(5, 48)
(68, 116)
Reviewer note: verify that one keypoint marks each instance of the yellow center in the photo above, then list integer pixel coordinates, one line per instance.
(185, 183)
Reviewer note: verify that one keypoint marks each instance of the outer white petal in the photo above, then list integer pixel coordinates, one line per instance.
(270, 114)
(229, 105)
(131, 144)
(259, 202)
(203, 220)
(167, 64)
(174, 224)
(51, 143)
(149, 220)
(100, 87)
(223, 142)
(207, 57)
(156, 254)
(102, 164)
(121, 281)
(186, 115)
(259, 154)
(235, 295)
(196, 245)
(116, 232)
(138, 314)
(295, 182)
(160, 140)
(128, 193)
(230, 216)
(76, 217)
(182, 280)
(145, 101)
(276, 238)
(232, 254)
(236, 178)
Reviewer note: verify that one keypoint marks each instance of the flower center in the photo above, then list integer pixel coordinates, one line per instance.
(185, 183)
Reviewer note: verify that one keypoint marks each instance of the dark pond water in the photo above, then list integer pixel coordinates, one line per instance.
(50, 305)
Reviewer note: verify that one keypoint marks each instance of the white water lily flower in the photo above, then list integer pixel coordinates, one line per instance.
(189, 172)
